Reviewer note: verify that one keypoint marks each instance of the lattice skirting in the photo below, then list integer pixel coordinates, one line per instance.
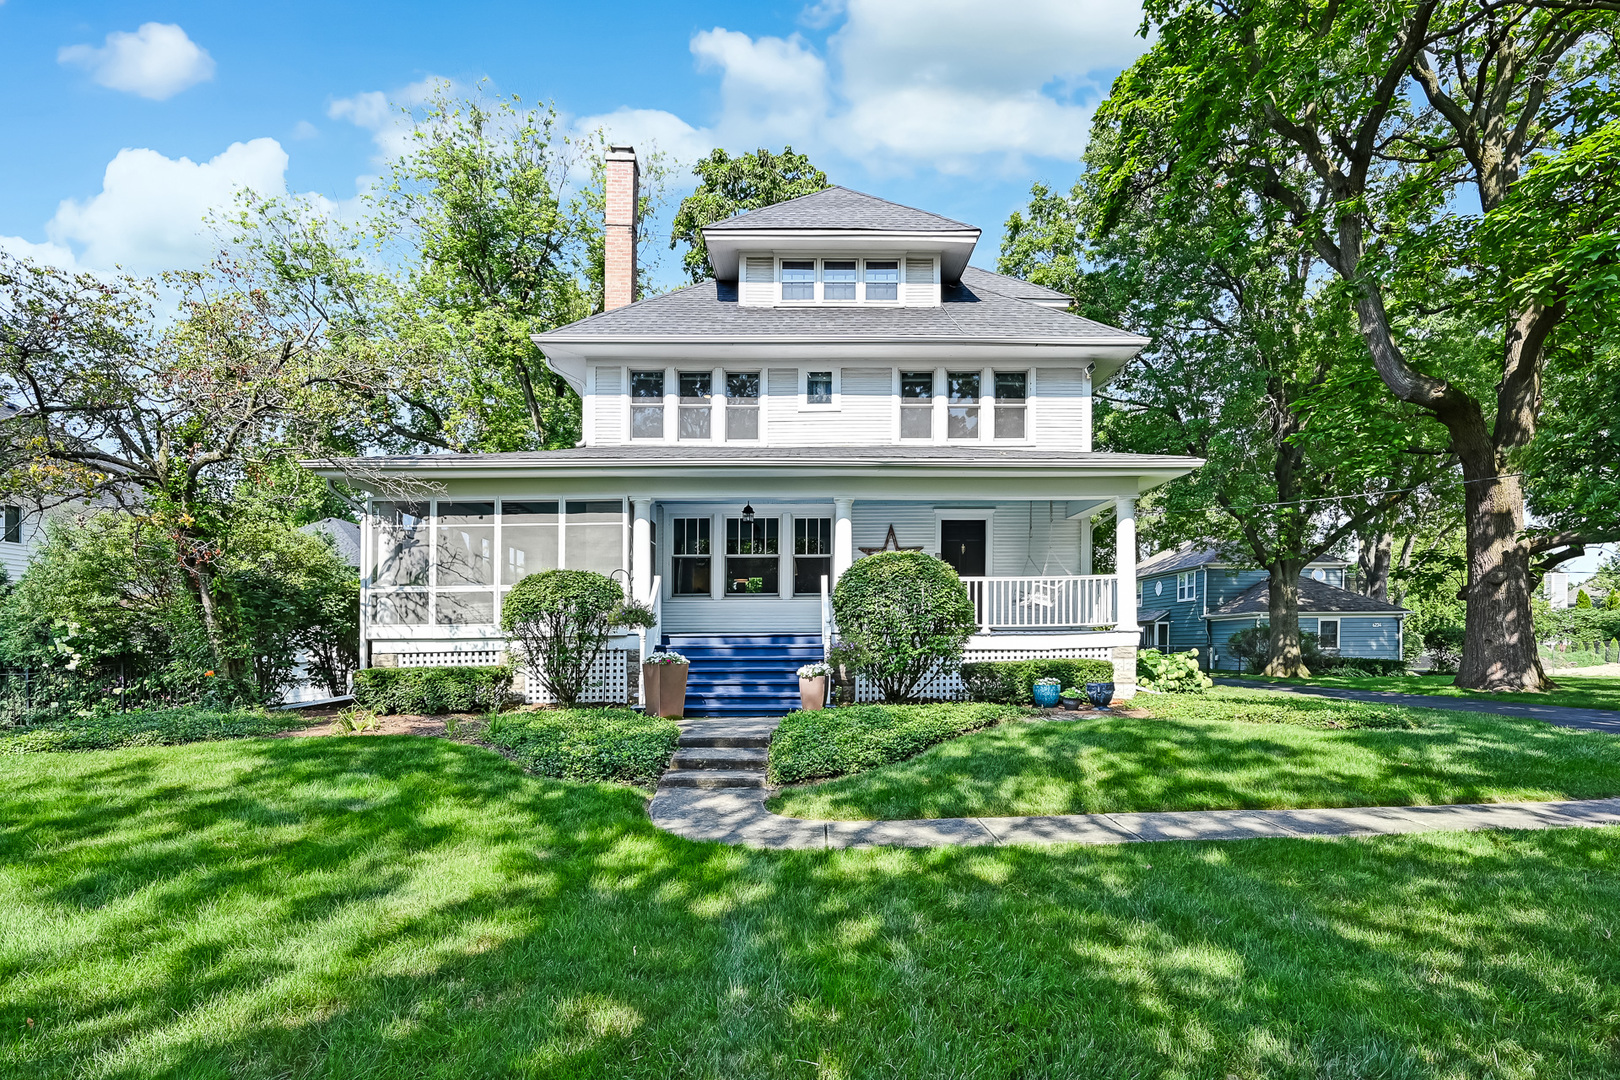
(612, 681)
(941, 686)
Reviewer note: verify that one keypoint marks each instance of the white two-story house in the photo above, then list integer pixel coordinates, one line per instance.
(846, 383)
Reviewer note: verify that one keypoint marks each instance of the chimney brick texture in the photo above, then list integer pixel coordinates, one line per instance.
(620, 220)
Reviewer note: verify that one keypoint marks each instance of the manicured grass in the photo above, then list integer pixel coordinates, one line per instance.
(1574, 691)
(619, 745)
(155, 727)
(1228, 749)
(398, 906)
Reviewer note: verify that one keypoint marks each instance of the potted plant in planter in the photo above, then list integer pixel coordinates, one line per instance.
(1047, 691)
(664, 676)
(813, 685)
(1072, 697)
(1100, 693)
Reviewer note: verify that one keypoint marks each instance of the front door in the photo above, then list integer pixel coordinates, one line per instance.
(962, 545)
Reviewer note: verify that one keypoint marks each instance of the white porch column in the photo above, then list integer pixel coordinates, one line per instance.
(843, 553)
(717, 557)
(1085, 544)
(784, 555)
(641, 567)
(1125, 562)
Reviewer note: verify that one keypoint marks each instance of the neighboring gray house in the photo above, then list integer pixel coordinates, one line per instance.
(1192, 598)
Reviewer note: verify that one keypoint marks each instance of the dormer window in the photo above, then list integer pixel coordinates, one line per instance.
(882, 280)
(798, 279)
(838, 280)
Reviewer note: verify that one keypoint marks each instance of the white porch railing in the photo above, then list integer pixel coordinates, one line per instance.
(1044, 603)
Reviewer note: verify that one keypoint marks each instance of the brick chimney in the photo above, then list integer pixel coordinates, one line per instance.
(619, 263)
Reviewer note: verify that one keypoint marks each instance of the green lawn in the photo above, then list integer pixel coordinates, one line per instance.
(1573, 691)
(1227, 749)
(396, 906)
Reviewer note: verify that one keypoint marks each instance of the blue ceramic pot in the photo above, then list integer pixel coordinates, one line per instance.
(1100, 693)
(1047, 696)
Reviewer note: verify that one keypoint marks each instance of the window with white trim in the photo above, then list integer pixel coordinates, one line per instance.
(812, 554)
(819, 388)
(1012, 404)
(799, 280)
(691, 559)
(916, 404)
(646, 404)
(12, 525)
(753, 567)
(1187, 585)
(1327, 634)
(696, 407)
(882, 280)
(962, 412)
(464, 557)
(742, 405)
(838, 281)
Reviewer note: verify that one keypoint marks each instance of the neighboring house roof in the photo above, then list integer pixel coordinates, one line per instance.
(1156, 615)
(840, 208)
(1017, 288)
(709, 312)
(1315, 597)
(1192, 556)
(652, 456)
(345, 536)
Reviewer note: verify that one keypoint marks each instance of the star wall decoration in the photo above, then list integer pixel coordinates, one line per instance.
(890, 543)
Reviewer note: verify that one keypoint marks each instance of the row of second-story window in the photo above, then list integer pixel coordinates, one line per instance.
(966, 396)
(1186, 587)
(834, 281)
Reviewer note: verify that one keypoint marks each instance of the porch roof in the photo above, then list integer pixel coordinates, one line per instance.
(746, 461)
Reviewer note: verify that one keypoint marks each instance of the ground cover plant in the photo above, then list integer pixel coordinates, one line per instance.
(417, 907)
(618, 745)
(831, 742)
(1576, 692)
(145, 727)
(1228, 749)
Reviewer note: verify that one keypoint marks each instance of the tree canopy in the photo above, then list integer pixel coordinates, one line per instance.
(728, 186)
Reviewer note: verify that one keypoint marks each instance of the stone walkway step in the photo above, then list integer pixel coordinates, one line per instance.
(719, 757)
(754, 742)
(712, 778)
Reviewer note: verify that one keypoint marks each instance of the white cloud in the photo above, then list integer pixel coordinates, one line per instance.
(650, 130)
(150, 213)
(385, 115)
(157, 61)
(47, 253)
(305, 130)
(956, 85)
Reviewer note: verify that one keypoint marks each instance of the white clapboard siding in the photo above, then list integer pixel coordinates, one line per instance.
(1062, 409)
(922, 286)
(742, 615)
(759, 281)
(865, 415)
(1026, 538)
(604, 424)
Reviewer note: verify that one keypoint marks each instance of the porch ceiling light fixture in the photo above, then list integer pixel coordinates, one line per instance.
(748, 512)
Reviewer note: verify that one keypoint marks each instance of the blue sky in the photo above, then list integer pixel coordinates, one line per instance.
(132, 118)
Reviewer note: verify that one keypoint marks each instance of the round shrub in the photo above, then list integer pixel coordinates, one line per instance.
(902, 615)
(560, 620)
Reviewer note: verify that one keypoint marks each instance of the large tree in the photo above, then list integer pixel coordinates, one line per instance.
(1247, 369)
(733, 185)
(1391, 135)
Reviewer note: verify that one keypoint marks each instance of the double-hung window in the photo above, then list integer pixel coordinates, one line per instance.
(799, 279)
(1187, 585)
(742, 405)
(691, 558)
(752, 562)
(916, 404)
(12, 524)
(962, 412)
(646, 404)
(882, 280)
(1327, 634)
(1012, 404)
(838, 281)
(812, 554)
(696, 404)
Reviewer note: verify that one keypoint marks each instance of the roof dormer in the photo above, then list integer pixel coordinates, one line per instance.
(841, 224)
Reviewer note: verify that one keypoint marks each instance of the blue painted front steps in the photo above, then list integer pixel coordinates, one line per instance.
(743, 674)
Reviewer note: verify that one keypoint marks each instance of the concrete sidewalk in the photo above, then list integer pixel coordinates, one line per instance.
(1560, 715)
(738, 816)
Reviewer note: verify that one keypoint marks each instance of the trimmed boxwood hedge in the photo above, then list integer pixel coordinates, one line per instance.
(832, 742)
(153, 727)
(617, 745)
(1010, 682)
(429, 691)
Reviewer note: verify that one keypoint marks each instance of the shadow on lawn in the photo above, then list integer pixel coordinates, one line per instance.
(399, 906)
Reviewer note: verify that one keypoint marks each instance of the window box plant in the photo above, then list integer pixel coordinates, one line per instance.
(663, 675)
(813, 685)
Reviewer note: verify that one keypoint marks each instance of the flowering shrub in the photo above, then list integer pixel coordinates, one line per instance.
(665, 658)
(815, 671)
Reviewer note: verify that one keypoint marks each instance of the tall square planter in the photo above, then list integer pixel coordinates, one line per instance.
(666, 689)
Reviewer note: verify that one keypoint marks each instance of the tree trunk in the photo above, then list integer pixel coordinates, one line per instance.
(1405, 563)
(1373, 563)
(1284, 659)
(228, 667)
(1499, 646)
